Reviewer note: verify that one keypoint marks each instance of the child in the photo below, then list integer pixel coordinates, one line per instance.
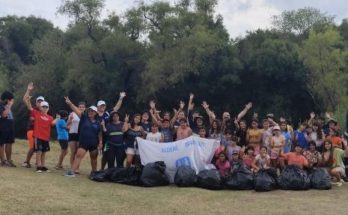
(300, 136)
(63, 137)
(312, 155)
(222, 164)
(296, 157)
(202, 132)
(235, 162)
(154, 135)
(233, 147)
(42, 129)
(261, 161)
(249, 157)
(277, 144)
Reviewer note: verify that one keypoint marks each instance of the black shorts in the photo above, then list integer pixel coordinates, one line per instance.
(41, 145)
(63, 144)
(88, 148)
(6, 131)
(74, 137)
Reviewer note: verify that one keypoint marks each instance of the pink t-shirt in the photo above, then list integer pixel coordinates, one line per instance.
(223, 167)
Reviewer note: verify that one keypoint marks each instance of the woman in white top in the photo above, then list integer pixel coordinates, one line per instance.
(154, 135)
(73, 125)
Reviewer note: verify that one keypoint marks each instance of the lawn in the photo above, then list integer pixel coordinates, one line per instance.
(23, 191)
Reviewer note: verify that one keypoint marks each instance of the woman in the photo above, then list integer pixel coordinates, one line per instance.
(287, 136)
(215, 130)
(332, 159)
(334, 138)
(90, 137)
(114, 143)
(318, 135)
(254, 136)
(73, 125)
(132, 131)
(242, 133)
(312, 155)
(277, 145)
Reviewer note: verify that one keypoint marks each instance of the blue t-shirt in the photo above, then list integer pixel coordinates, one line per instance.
(301, 139)
(287, 146)
(62, 131)
(89, 131)
(167, 135)
(114, 133)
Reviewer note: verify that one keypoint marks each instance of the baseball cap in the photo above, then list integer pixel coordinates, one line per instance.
(276, 128)
(101, 102)
(44, 103)
(40, 98)
(94, 108)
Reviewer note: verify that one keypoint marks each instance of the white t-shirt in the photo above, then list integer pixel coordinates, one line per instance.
(74, 124)
(154, 137)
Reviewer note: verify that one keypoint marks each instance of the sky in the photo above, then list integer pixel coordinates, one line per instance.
(239, 16)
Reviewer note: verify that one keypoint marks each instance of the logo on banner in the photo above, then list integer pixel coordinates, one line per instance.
(184, 161)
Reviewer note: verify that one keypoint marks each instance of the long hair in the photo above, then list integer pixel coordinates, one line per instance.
(330, 161)
(132, 121)
(218, 127)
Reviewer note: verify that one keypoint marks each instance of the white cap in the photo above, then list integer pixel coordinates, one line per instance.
(40, 98)
(101, 102)
(44, 103)
(276, 128)
(93, 108)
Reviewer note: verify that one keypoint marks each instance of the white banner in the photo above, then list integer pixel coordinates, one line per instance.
(193, 151)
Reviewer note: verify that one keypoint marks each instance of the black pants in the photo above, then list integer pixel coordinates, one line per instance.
(116, 153)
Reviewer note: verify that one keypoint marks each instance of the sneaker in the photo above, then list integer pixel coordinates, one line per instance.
(39, 169)
(58, 167)
(69, 173)
(5, 163)
(11, 164)
(44, 169)
(339, 184)
(26, 164)
(345, 179)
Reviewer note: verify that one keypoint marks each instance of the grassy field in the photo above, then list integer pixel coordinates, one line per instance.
(22, 191)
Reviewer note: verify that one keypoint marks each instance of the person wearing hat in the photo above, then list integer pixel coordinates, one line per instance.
(183, 130)
(42, 129)
(6, 129)
(90, 137)
(30, 131)
(277, 144)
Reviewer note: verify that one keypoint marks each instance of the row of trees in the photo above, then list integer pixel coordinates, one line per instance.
(162, 51)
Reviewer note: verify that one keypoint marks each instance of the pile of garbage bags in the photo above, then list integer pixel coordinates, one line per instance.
(241, 178)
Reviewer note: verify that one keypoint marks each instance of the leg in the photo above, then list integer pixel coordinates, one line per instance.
(8, 151)
(120, 156)
(2, 152)
(79, 155)
(73, 150)
(63, 153)
(43, 158)
(130, 156)
(38, 159)
(94, 159)
(104, 157)
(336, 173)
(111, 156)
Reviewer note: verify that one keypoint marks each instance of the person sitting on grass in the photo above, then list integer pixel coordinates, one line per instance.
(63, 137)
(312, 155)
(332, 160)
(296, 157)
(90, 137)
(262, 160)
(42, 129)
(235, 161)
(222, 164)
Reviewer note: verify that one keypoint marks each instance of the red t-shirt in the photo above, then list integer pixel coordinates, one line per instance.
(42, 125)
(295, 159)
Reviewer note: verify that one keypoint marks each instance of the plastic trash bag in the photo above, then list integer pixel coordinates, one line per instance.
(129, 176)
(185, 177)
(294, 178)
(99, 176)
(240, 179)
(320, 179)
(154, 175)
(265, 180)
(209, 179)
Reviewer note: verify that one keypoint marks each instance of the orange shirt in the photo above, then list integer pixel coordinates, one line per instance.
(42, 125)
(295, 159)
(336, 141)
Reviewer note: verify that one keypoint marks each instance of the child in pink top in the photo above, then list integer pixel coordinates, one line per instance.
(222, 164)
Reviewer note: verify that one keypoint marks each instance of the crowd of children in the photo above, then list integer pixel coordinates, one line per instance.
(262, 144)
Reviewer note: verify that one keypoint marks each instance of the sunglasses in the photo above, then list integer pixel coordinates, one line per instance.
(46, 107)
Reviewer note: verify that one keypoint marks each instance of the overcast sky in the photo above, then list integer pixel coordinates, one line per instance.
(239, 15)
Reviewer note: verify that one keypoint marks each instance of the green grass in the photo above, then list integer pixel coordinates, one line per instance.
(22, 191)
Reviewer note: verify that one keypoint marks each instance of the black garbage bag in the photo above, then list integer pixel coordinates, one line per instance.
(129, 176)
(209, 179)
(320, 179)
(185, 176)
(154, 175)
(265, 180)
(294, 178)
(240, 178)
(99, 176)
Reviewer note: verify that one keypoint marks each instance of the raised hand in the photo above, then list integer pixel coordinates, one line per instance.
(312, 115)
(192, 96)
(175, 110)
(249, 105)
(152, 104)
(256, 115)
(126, 118)
(122, 95)
(67, 100)
(205, 105)
(102, 123)
(30, 86)
(191, 106)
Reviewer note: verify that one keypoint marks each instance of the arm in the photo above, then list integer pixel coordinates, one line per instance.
(119, 102)
(254, 165)
(125, 124)
(210, 113)
(103, 126)
(73, 107)
(54, 122)
(69, 122)
(244, 111)
(154, 118)
(190, 105)
(100, 138)
(7, 109)
(311, 119)
(26, 97)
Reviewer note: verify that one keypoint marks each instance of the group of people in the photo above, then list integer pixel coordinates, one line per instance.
(260, 144)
